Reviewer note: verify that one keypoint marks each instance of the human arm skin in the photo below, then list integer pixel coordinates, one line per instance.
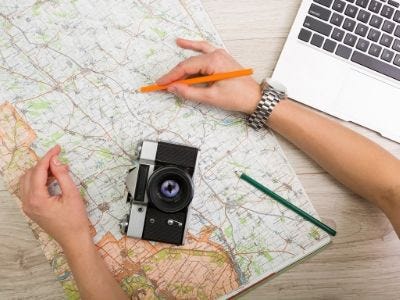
(357, 162)
(64, 218)
(90, 272)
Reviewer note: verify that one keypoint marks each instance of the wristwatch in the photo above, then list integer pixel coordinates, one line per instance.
(271, 94)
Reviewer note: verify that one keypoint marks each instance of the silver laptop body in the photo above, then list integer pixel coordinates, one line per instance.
(343, 58)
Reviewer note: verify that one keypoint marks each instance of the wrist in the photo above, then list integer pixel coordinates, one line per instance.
(78, 243)
(253, 99)
(270, 98)
(279, 113)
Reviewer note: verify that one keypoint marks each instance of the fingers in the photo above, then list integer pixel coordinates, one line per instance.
(36, 179)
(61, 173)
(197, 94)
(33, 198)
(40, 172)
(191, 66)
(200, 46)
(24, 184)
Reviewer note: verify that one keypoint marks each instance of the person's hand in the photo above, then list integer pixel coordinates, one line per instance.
(62, 216)
(238, 94)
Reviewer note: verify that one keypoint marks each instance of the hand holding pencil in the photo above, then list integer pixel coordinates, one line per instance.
(236, 94)
(198, 80)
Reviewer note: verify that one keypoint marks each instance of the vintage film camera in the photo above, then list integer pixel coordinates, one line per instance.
(160, 190)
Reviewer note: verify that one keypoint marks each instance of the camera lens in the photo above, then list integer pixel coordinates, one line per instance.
(170, 189)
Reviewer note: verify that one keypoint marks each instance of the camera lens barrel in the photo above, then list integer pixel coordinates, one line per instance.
(170, 189)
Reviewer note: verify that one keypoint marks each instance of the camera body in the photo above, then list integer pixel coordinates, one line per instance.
(160, 190)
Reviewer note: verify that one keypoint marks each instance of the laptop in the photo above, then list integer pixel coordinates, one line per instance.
(343, 58)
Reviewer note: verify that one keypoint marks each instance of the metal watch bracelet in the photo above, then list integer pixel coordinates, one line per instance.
(269, 99)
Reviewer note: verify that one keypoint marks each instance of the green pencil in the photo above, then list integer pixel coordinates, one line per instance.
(286, 203)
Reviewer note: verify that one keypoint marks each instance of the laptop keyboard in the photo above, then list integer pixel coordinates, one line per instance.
(366, 32)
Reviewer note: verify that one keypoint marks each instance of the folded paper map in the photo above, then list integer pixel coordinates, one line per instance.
(68, 74)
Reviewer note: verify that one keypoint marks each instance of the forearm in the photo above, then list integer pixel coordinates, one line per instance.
(357, 162)
(93, 278)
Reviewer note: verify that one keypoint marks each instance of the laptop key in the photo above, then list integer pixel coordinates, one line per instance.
(337, 34)
(362, 45)
(363, 16)
(375, 50)
(305, 35)
(387, 11)
(376, 21)
(388, 26)
(326, 3)
(319, 12)
(350, 39)
(349, 24)
(343, 51)
(361, 30)
(396, 60)
(374, 35)
(376, 65)
(329, 45)
(394, 3)
(351, 11)
(375, 6)
(386, 40)
(318, 26)
(387, 55)
(396, 17)
(317, 40)
(339, 5)
(337, 19)
(396, 45)
(362, 3)
(397, 32)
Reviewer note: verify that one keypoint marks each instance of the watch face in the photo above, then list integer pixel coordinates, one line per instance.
(277, 85)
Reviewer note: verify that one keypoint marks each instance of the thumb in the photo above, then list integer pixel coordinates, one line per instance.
(198, 94)
(61, 173)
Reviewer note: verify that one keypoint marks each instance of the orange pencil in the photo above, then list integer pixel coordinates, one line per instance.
(197, 80)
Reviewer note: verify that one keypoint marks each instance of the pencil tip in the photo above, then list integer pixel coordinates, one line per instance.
(238, 173)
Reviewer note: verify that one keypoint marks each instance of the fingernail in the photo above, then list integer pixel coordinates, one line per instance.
(56, 161)
(172, 89)
(54, 147)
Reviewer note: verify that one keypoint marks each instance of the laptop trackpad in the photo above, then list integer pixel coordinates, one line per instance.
(371, 103)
